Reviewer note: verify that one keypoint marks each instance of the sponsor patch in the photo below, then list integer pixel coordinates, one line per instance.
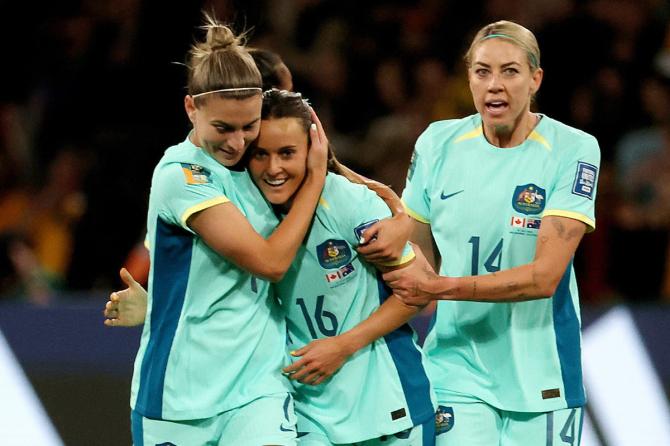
(529, 199)
(551, 393)
(195, 174)
(444, 419)
(333, 254)
(585, 180)
(359, 230)
(398, 414)
(336, 276)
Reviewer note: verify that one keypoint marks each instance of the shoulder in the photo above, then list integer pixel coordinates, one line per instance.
(563, 133)
(440, 134)
(339, 193)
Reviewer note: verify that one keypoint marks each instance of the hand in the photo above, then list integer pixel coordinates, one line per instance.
(320, 359)
(412, 284)
(126, 308)
(384, 241)
(317, 158)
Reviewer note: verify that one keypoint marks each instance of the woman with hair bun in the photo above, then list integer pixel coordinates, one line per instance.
(208, 370)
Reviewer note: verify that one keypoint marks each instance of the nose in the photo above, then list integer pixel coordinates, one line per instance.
(274, 165)
(236, 140)
(495, 83)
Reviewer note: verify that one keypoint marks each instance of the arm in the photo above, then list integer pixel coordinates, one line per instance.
(557, 241)
(269, 258)
(321, 358)
(384, 241)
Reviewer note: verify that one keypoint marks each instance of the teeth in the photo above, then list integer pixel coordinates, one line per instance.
(275, 182)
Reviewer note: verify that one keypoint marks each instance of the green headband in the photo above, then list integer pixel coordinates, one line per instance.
(531, 56)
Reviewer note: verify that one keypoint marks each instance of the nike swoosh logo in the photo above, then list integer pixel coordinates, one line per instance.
(444, 197)
(283, 429)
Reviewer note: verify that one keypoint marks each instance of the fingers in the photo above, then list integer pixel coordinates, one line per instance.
(370, 233)
(321, 134)
(127, 277)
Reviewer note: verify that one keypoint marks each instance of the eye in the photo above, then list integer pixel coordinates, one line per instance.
(481, 72)
(259, 154)
(287, 153)
(223, 128)
(510, 71)
(250, 127)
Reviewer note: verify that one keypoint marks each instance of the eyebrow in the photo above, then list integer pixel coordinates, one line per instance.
(505, 65)
(291, 146)
(226, 124)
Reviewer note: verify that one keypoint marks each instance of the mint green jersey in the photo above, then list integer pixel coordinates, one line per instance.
(382, 389)
(213, 338)
(485, 206)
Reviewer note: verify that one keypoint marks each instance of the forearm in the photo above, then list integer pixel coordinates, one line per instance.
(284, 242)
(526, 282)
(388, 317)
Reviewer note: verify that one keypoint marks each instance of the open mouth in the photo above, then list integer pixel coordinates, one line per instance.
(275, 182)
(496, 107)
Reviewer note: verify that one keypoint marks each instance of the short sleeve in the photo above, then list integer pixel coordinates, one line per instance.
(415, 196)
(574, 192)
(182, 189)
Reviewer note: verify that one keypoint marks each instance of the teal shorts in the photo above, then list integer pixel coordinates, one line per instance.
(479, 424)
(421, 435)
(266, 421)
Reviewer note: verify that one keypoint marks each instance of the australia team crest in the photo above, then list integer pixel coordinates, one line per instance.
(529, 199)
(333, 254)
(444, 419)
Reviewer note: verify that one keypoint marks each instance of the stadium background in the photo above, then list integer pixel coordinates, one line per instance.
(92, 96)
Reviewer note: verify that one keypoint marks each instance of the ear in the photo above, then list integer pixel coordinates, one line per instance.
(536, 81)
(191, 110)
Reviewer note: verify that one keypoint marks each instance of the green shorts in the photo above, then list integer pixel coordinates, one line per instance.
(421, 435)
(478, 424)
(266, 421)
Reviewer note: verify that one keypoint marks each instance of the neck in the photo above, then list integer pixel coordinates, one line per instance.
(511, 136)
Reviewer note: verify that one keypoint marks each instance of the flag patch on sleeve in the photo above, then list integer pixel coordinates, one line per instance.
(195, 174)
(585, 180)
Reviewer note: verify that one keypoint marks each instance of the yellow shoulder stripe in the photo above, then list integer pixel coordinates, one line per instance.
(471, 134)
(591, 224)
(202, 206)
(539, 138)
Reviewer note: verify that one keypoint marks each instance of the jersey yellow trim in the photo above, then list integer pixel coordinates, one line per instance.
(147, 244)
(471, 134)
(535, 136)
(575, 216)
(324, 203)
(401, 261)
(414, 215)
(202, 206)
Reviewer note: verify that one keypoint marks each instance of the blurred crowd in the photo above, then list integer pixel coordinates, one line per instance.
(93, 94)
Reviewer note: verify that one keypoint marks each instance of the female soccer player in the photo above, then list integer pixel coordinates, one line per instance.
(208, 367)
(335, 303)
(505, 195)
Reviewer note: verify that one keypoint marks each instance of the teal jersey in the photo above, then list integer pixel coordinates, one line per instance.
(213, 337)
(485, 206)
(329, 289)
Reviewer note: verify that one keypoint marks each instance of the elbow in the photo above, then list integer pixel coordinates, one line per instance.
(274, 273)
(545, 282)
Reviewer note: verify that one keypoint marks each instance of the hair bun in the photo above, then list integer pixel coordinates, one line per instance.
(220, 37)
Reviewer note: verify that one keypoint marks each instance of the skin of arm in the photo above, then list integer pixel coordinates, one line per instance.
(385, 240)
(268, 258)
(321, 358)
(557, 241)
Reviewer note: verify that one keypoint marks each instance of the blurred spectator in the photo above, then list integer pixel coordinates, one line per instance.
(643, 215)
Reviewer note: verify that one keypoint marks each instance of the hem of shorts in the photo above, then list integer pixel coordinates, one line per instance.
(510, 407)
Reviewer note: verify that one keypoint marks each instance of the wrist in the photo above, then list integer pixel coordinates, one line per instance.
(349, 343)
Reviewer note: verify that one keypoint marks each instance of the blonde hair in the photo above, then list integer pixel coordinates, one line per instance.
(515, 33)
(221, 62)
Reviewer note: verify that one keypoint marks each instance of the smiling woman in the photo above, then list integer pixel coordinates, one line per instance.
(211, 249)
